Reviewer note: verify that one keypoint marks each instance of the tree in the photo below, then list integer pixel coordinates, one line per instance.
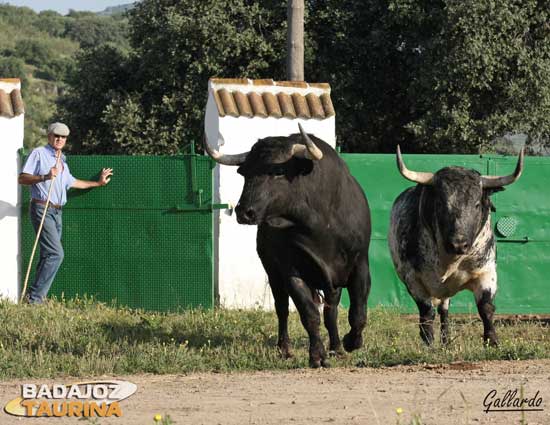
(153, 100)
(13, 67)
(485, 75)
(101, 74)
(92, 30)
(51, 23)
(433, 76)
(443, 76)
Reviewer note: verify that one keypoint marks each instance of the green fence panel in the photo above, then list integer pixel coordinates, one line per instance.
(523, 236)
(144, 240)
(518, 263)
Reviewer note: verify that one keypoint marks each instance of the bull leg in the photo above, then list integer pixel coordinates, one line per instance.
(281, 307)
(330, 316)
(427, 315)
(310, 318)
(358, 289)
(486, 309)
(443, 310)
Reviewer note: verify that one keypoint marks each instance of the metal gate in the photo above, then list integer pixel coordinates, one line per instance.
(520, 222)
(144, 240)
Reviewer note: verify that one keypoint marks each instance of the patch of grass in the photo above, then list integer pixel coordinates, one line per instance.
(87, 338)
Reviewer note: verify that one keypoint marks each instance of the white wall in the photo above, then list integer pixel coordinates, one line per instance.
(242, 281)
(11, 140)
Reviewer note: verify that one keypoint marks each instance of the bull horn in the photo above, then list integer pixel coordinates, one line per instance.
(414, 176)
(312, 152)
(221, 158)
(488, 182)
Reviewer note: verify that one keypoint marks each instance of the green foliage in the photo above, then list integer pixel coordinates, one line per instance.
(10, 65)
(484, 75)
(34, 51)
(39, 49)
(91, 30)
(51, 23)
(85, 338)
(441, 76)
(100, 75)
(357, 50)
(156, 97)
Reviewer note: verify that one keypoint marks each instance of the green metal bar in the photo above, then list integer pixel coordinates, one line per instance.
(524, 240)
(210, 207)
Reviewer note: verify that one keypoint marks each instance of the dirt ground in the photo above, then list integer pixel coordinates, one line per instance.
(438, 394)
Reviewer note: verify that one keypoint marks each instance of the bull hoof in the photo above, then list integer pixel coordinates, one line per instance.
(318, 363)
(336, 350)
(336, 353)
(285, 352)
(315, 364)
(490, 341)
(427, 338)
(352, 342)
(428, 342)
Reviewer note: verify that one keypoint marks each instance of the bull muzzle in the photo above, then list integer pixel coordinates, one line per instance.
(459, 246)
(246, 215)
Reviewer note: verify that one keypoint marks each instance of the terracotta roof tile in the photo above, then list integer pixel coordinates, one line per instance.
(11, 104)
(245, 110)
(287, 107)
(267, 98)
(257, 103)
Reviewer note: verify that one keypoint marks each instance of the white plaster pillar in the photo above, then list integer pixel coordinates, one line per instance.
(11, 140)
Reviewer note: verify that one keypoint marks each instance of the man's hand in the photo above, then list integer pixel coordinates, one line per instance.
(53, 173)
(105, 176)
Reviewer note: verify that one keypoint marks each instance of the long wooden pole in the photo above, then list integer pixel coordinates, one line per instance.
(58, 155)
(295, 40)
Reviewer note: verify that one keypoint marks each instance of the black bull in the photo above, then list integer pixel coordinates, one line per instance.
(313, 234)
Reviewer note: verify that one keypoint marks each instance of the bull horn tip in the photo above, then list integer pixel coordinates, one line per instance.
(519, 168)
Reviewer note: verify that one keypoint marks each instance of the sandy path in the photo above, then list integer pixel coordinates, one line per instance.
(450, 394)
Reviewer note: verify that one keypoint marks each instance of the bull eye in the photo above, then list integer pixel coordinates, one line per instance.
(276, 171)
(478, 205)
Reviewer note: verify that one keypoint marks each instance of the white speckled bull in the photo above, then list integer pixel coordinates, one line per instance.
(441, 242)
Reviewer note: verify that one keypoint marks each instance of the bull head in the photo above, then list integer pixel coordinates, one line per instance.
(308, 150)
(487, 182)
(455, 202)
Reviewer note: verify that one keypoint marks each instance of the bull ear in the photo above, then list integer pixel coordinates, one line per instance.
(495, 190)
(221, 158)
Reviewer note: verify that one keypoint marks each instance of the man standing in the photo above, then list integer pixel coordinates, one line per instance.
(38, 172)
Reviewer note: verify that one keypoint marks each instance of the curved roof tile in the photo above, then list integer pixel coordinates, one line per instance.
(239, 97)
(11, 103)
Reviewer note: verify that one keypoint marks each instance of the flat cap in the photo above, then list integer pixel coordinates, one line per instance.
(58, 128)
